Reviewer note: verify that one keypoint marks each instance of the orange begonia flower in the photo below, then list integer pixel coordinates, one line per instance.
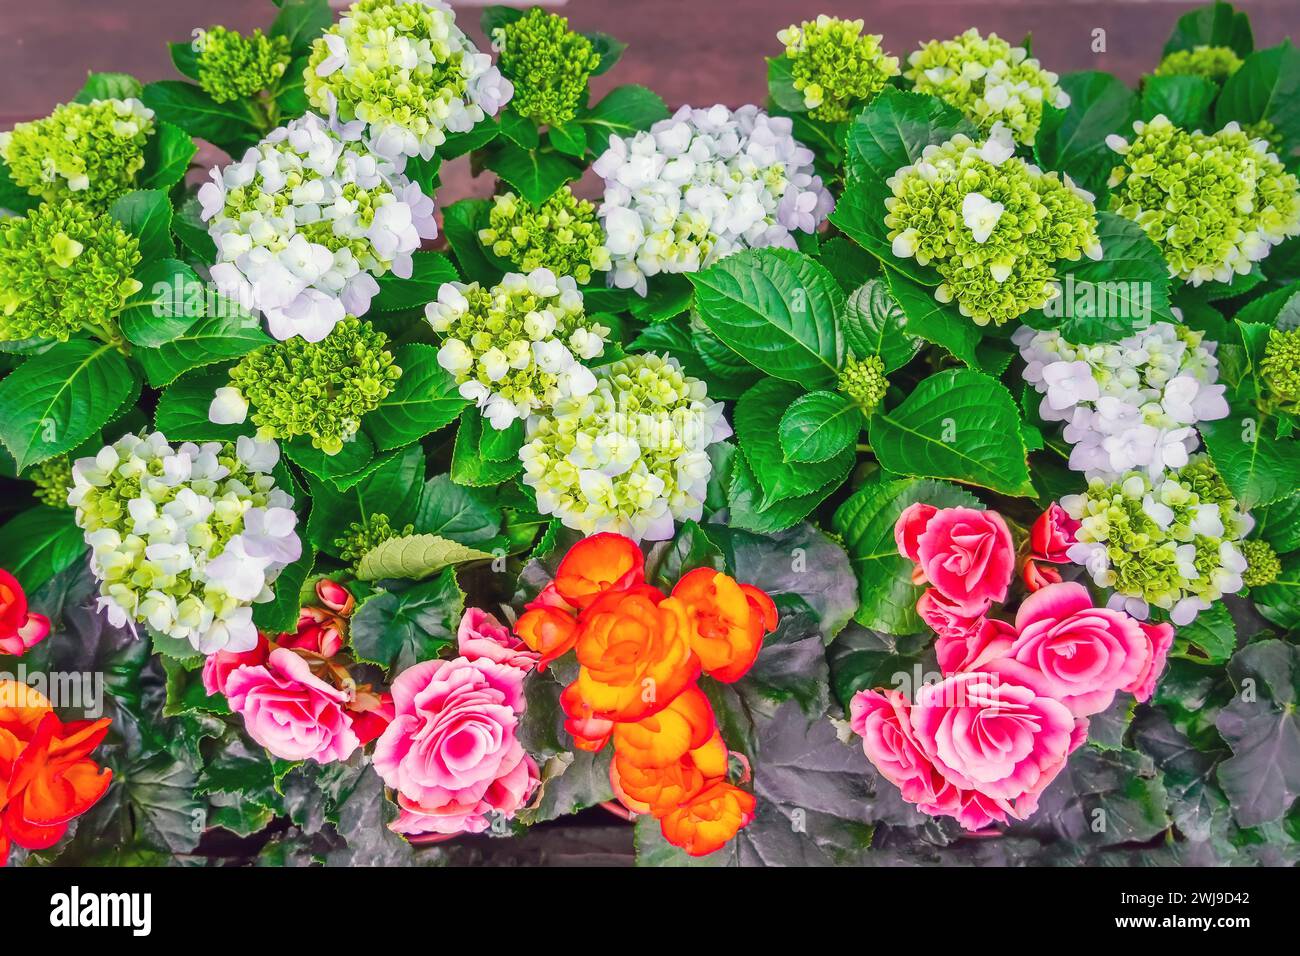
(547, 630)
(588, 732)
(727, 621)
(655, 790)
(46, 776)
(664, 738)
(635, 655)
(597, 565)
(709, 819)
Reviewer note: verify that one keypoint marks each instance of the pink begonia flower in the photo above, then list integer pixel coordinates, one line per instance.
(1037, 576)
(988, 638)
(451, 752)
(481, 635)
(964, 553)
(291, 712)
(1005, 739)
(1052, 535)
(20, 629)
(1084, 654)
(218, 667)
(1161, 638)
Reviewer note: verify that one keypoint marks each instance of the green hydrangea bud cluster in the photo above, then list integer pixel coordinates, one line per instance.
(1175, 542)
(53, 480)
(234, 67)
(1211, 62)
(863, 380)
(1215, 203)
(989, 80)
(1280, 367)
(185, 538)
(86, 151)
(319, 389)
(364, 536)
(64, 267)
(1269, 133)
(517, 347)
(993, 225)
(549, 64)
(563, 235)
(835, 66)
(631, 456)
(406, 72)
(1262, 563)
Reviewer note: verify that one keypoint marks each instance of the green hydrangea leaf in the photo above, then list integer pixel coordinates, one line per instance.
(108, 86)
(391, 488)
(623, 112)
(1266, 88)
(1186, 100)
(56, 400)
(940, 323)
(301, 22)
(780, 85)
(894, 130)
(609, 49)
(423, 400)
(1212, 24)
(280, 614)
(1279, 602)
(1258, 469)
(39, 543)
(147, 215)
(1073, 140)
(533, 174)
(959, 425)
(415, 556)
(745, 501)
(395, 629)
(778, 310)
(232, 126)
(182, 410)
(569, 139)
(865, 523)
(355, 455)
(167, 157)
(211, 340)
(468, 465)
(169, 303)
(758, 418)
(860, 214)
(429, 270)
(456, 512)
(875, 324)
(818, 426)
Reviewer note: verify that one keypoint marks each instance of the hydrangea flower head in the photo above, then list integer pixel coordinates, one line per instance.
(90, 152)
(562, 235)
(548, 63)
(53, 480)
(836, 66)
(517, 347)
(402, 75)
(1280, 368)
(185, 539)
(993, 225)
(1173, 542)
(364, 536)
(64, 267)
(1263, 566)
(303, 224)
(318, 389)
(233, 66)
(1129, 404)
(1215, 203)
(1211, 62)
(989, 80)
(630, 457)
(863, 380)
(702, 185)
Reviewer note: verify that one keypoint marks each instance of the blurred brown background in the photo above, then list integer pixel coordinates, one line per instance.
(696, 51)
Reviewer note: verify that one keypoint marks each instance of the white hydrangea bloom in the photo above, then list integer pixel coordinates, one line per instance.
(1126, 405)
(516, 348)
(702, 185)
(401, 75)
(185, 539)
(631, 456)
(303, 224)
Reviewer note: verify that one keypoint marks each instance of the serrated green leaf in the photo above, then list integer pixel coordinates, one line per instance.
(818, 426)
(423, 400)
(429, 270)
(39, 543)
(874, 324)
(415, 557)
(169, 303)
(147, 215)
(207, 342)
(395, 629)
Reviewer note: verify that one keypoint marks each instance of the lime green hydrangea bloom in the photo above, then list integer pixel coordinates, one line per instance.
(64, 268)
(405, 73)
(516, 348)
(1211, 62)
(835, 66)
(318, 389)
(234, 67)
(993, 225)
(1175, 543)
(1262, 564)
(53, 480)
(548, 63)
(364, 536)
(1215, 203)
(1280, 367)
(90, 152)
(631, 456)
(989, 80)
(863, 380)
(563, 235)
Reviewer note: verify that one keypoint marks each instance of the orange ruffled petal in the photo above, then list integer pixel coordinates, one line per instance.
(548, 631)
(664, 738)
(709, 819)
(597, 565)
(727, 621)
